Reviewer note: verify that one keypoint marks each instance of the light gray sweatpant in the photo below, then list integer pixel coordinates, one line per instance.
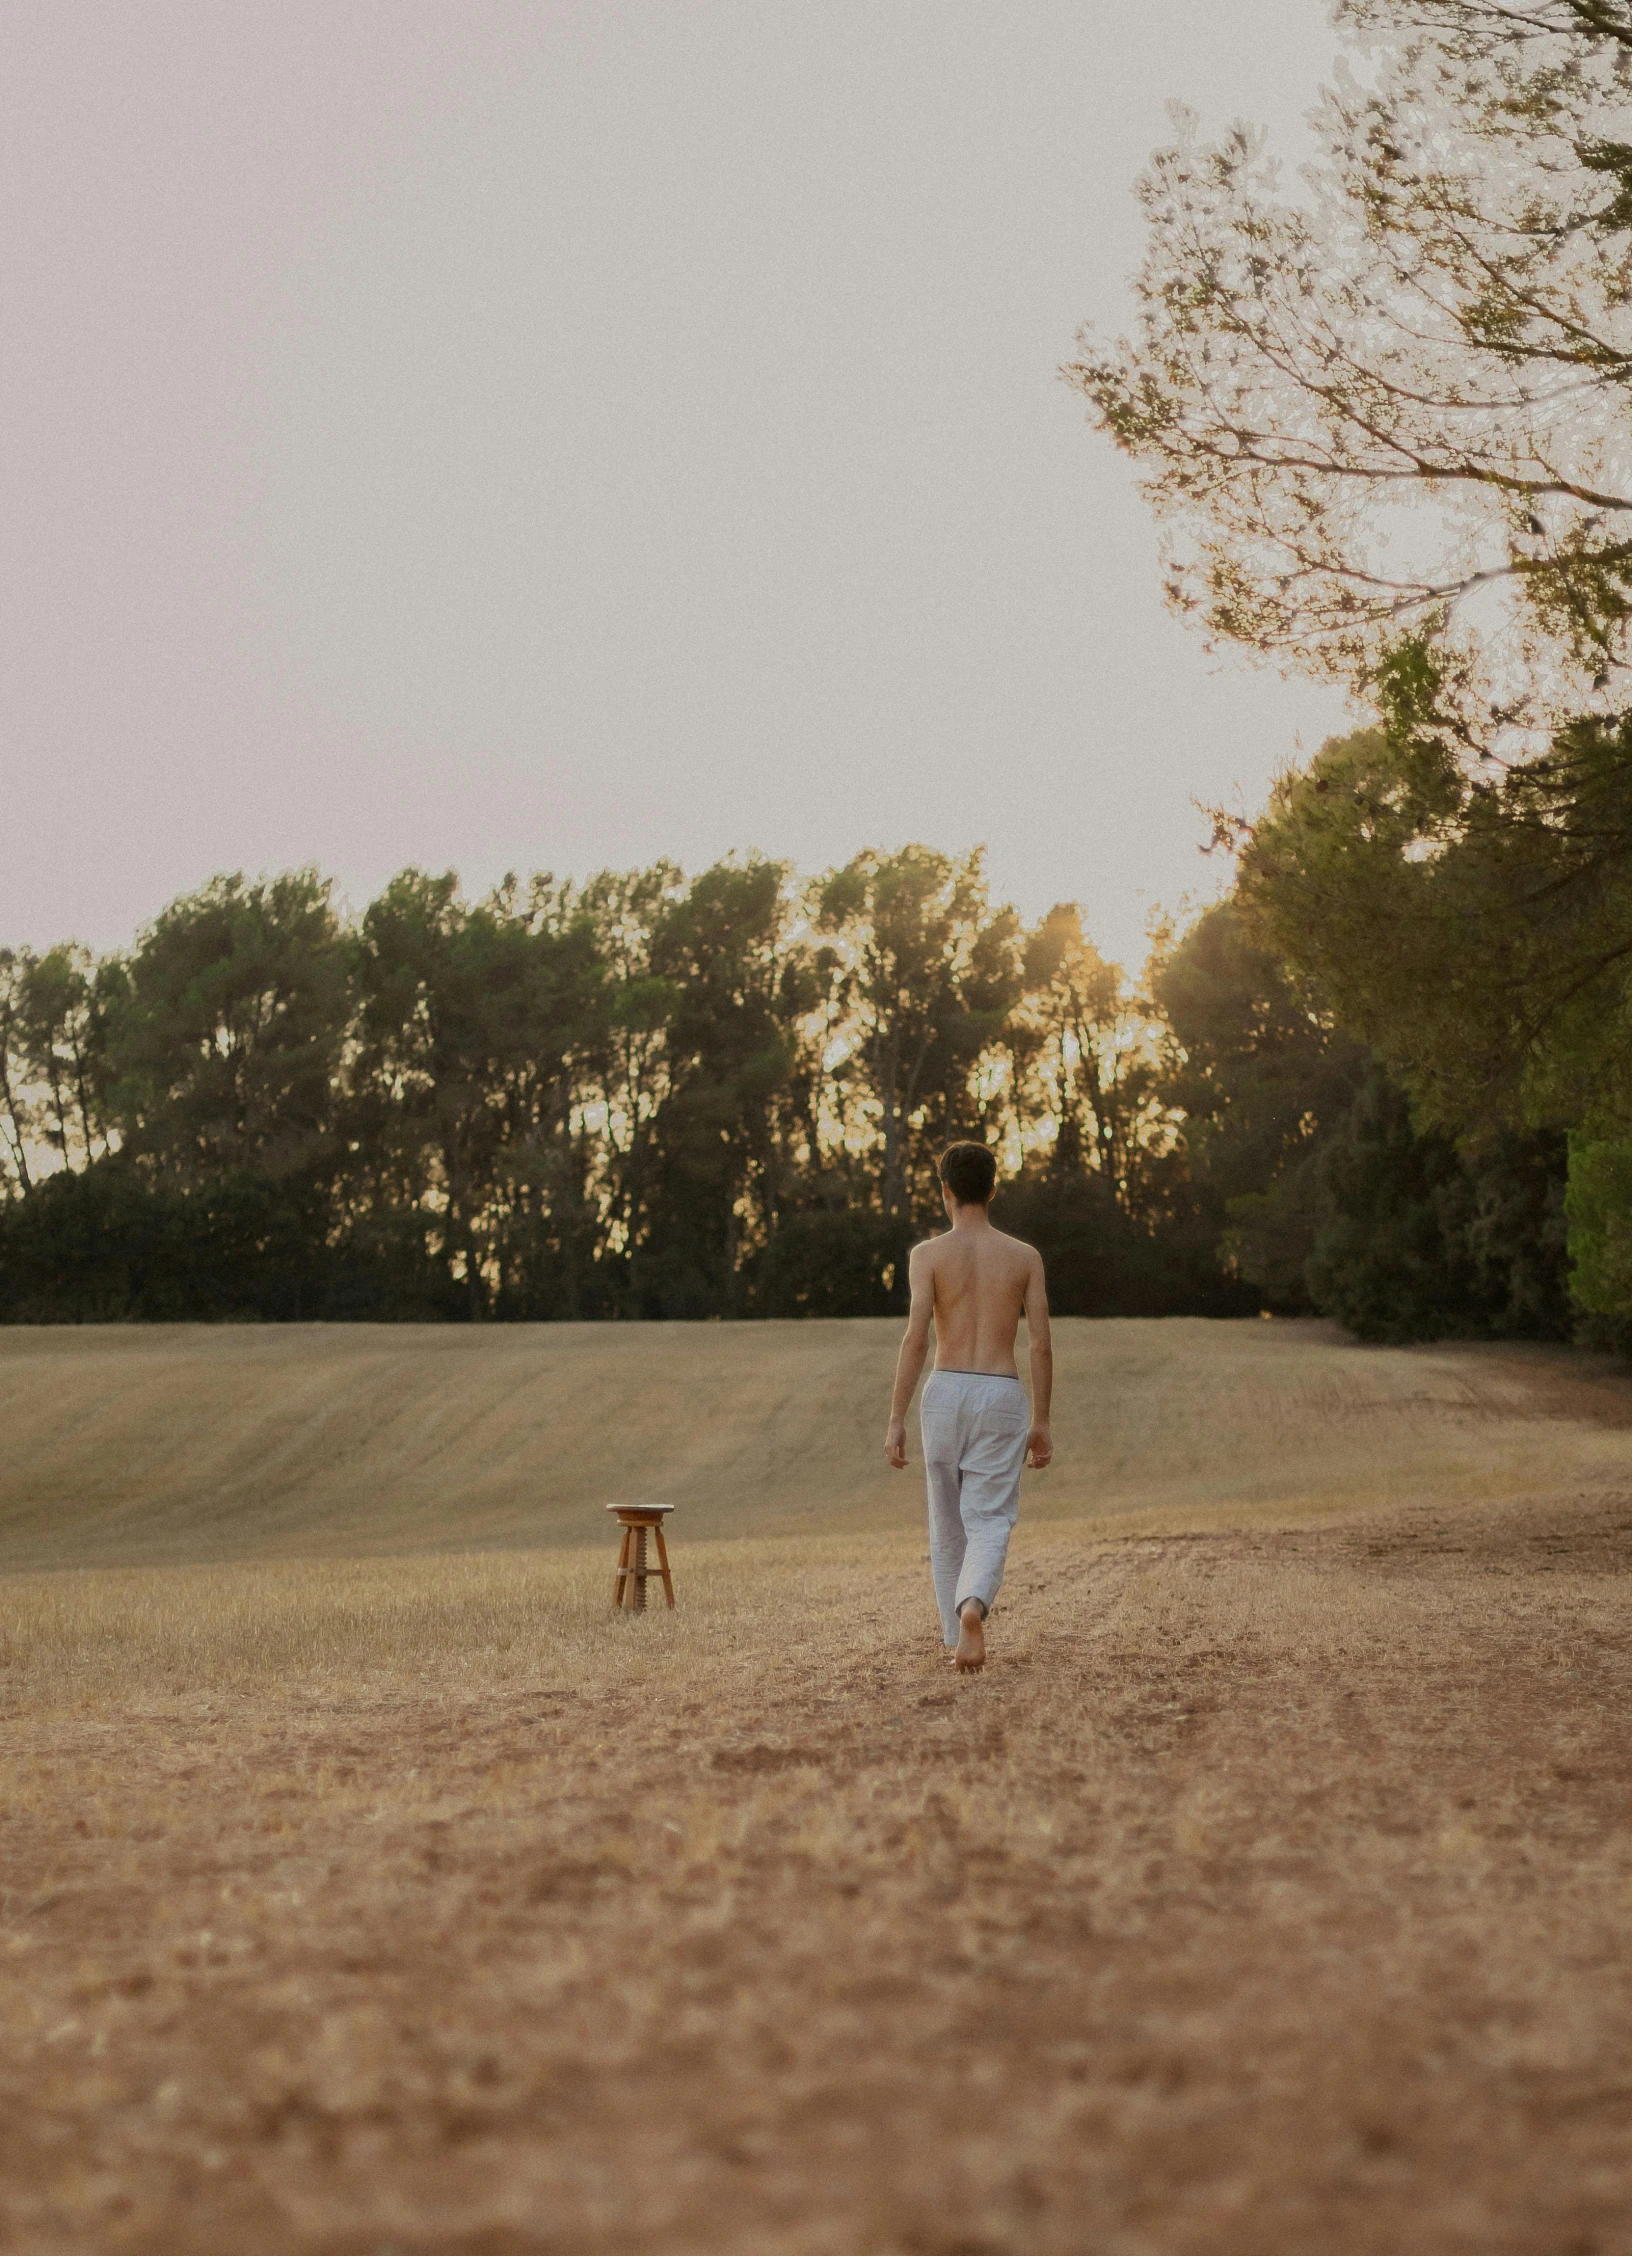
(974, 1427)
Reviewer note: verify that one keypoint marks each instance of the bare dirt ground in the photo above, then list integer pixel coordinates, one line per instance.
(1269, 1893)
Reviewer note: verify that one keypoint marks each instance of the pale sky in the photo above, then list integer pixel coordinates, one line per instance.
(517, 434)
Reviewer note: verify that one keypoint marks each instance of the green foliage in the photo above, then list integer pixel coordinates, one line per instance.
(934, 974)
(720, 1161)
(1599, 1205)
(113, 1244)
(833, 1254)
(1271, 1236)
(1109, 1258)
(1415, 1240)
(1096, 1055)
(1477, 930)
(1259, 1076)
(1304, 1151)
(225, 1031)
(1262, 1070)
(1474, 929)
(52, 1061)
(466, 1167)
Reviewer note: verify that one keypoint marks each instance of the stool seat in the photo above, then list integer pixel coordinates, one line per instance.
(629, 1582)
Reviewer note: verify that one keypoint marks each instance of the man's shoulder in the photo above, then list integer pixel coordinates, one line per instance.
(1019, 1247)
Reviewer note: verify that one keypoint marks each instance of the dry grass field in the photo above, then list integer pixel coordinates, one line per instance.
(367, 1888)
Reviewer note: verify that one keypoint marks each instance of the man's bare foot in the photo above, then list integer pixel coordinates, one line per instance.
(970, 1653)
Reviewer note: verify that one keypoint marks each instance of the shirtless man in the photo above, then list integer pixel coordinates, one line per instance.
(977, 1427)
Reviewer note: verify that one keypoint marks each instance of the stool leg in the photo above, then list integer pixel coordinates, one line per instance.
(640, 1570)
(623, 1568)
(663, 1564)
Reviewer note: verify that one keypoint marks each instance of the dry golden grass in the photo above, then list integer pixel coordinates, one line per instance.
(1267, 1894)
(469, 1623)
(182, 1444)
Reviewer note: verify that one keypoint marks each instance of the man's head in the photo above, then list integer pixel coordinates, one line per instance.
(968, 1174)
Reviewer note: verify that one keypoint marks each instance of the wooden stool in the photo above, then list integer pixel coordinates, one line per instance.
(629, 1583)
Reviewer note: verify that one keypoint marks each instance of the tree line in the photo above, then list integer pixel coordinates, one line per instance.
(642, 1096)
(652, 1096)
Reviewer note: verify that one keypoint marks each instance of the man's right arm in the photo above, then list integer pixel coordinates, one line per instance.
(1040, 1441)
(910, 1362)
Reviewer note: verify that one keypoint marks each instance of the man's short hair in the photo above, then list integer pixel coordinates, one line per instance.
(969, 1172)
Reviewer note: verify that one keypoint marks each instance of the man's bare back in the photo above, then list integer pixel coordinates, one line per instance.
(973, 1284)
(978, 1280)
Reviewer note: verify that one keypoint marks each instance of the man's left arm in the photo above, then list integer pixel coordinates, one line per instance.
(909, 1363)
(1040, 1441)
